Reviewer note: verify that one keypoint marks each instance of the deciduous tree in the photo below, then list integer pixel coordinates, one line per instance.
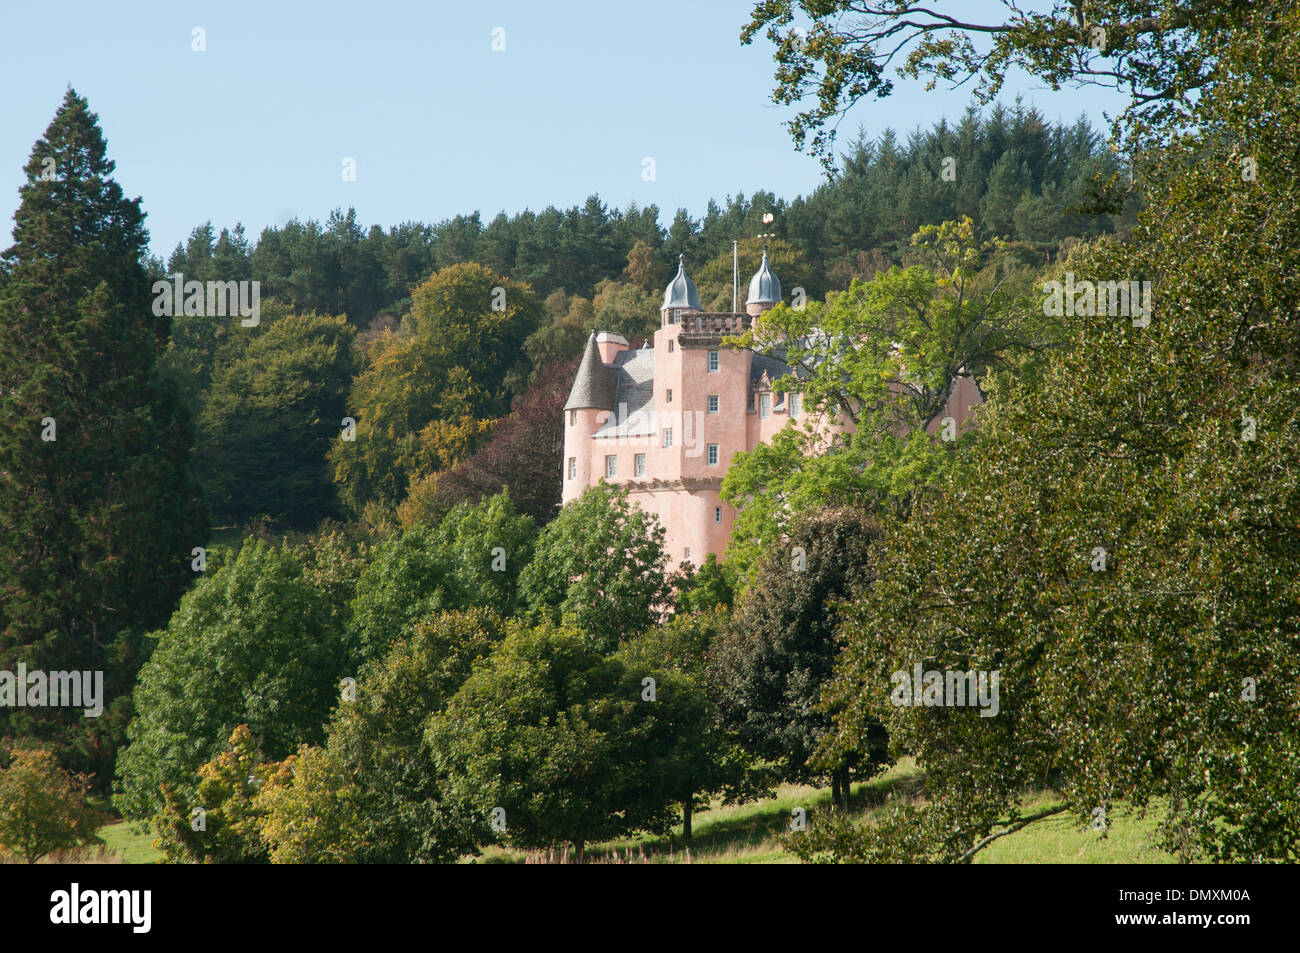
(43, 808)
(599, 566)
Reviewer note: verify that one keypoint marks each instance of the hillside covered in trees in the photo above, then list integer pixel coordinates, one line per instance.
(341, 618)
(1021, 179)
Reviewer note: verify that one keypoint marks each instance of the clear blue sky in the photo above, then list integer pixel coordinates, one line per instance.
(255, 128)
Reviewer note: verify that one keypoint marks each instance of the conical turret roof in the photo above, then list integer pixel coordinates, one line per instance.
(594, 385)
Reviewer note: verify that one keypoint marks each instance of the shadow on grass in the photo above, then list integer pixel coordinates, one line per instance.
(754, 825)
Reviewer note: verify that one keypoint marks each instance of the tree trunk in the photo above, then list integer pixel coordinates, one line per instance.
(845, 787)
(578, 847)
(688, 807)
(835, 788)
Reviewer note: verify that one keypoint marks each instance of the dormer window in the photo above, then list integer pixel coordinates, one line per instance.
(764, 405)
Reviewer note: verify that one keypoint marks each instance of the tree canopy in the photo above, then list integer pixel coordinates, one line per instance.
(1121, 546)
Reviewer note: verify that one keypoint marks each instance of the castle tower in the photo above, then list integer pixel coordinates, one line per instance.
(764, 290)
(590, 402)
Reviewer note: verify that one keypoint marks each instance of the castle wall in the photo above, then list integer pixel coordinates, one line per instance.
(729, 427)
(689, 517)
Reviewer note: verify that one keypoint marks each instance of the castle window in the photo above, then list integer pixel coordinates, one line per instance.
(573, 417)
(677, 316)
(573, 468)
(611, 466)
(717, 514)
(670, 347)
(670, 395)
(713, 403)
(796, 405)
(688, 552)
(640, 464)
(713, 455)
(764, 405)
(668, 436)
(713, 362)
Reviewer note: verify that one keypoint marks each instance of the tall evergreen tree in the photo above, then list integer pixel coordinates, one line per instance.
(98, 510)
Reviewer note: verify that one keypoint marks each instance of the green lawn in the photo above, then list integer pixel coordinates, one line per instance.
(1058, 840)
(745, 834)
(133, 847)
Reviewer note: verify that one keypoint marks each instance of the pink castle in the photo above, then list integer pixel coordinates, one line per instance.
(665, 420)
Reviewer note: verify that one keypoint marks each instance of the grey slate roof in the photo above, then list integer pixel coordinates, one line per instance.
(634, 395)
(761, 362)
(593, 387)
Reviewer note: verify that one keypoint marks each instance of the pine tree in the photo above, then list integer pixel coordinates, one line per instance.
(98, 511)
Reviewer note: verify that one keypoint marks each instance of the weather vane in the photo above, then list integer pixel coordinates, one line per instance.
(767, 220)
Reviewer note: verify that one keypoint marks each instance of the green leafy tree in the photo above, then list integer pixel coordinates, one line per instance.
(253, 644)
(412, 575)
(332, 560)
(693, 755)
(1160, 54)
(43, 808)
(195, 346)
(712, 585)
(1121, 547)
(626, 309)
(458, 362)
(221, 823)
(271, 416)
(309, 811)
(98, 511)
(771, 666)
(599, 566)
(489, 544)
(376, 787)
(553, 739)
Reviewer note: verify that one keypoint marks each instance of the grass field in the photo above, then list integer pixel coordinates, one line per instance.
(746, 834)
(131, 846)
